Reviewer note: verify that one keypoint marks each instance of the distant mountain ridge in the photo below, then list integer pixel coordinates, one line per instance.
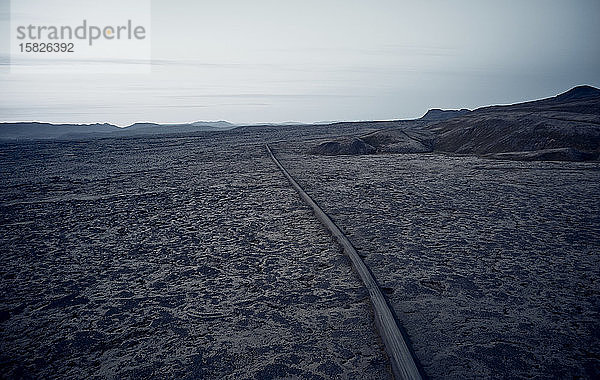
(45, 131)
(570, 120)
(565, 127)
(439, 114)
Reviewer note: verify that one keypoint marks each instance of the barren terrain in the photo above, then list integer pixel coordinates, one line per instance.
(190, 256)
(492, 266)
(171, 258)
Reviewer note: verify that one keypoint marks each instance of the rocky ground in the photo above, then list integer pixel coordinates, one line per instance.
(491, 266)
(179, 257)
(192, 257)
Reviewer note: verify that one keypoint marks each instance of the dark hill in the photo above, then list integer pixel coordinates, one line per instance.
(343, 146)
(578, 93)
(439, 115)
(581, 99)
(568, 121)
(561, 128)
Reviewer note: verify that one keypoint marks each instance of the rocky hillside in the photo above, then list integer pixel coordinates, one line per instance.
(563, 128)
(570, 121)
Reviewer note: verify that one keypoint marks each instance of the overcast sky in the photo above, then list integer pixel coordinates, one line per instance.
(276, 61)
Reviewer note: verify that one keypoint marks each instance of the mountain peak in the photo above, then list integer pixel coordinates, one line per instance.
(579, 92)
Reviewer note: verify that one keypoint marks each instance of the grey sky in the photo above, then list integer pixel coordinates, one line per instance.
(270, 61)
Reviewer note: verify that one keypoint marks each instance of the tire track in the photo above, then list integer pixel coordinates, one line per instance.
(403, 364)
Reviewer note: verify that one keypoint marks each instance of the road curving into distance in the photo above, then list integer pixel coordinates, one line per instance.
(403, 363)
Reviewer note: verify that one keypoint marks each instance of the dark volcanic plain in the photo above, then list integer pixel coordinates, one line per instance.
(178, 257)
(190, 256)
(492, 267)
